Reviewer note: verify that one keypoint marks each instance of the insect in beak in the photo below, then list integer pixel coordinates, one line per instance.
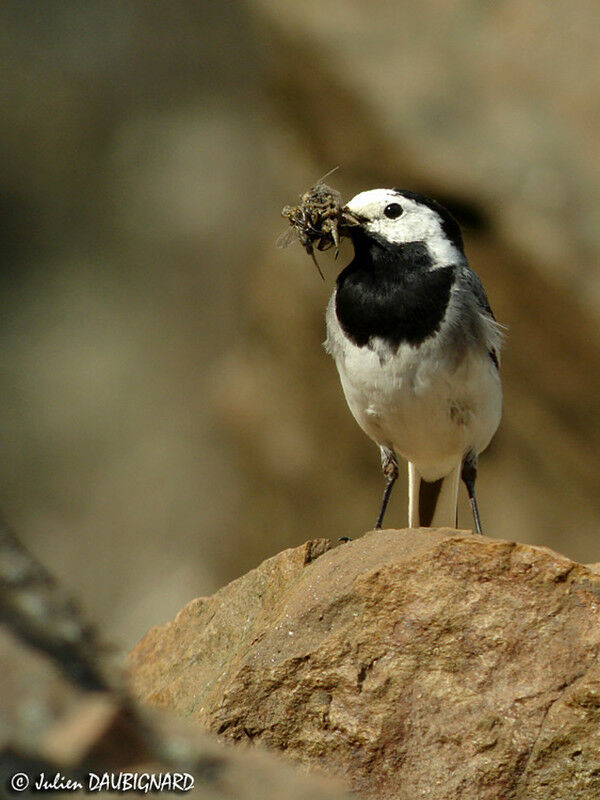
(315, 221)
(350, 219)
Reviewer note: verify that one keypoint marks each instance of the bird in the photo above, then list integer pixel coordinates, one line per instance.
(417, 349)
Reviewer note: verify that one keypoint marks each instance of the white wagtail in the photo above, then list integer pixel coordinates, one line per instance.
(417, 349)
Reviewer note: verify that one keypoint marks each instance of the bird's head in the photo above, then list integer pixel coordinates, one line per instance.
(393, 217)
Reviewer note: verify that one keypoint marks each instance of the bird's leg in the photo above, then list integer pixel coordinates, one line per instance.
(468, 475)
(389, 465)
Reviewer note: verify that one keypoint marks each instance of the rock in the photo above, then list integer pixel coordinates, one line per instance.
(49, 725)
(213, 630)
(417, 664)
(64, 712)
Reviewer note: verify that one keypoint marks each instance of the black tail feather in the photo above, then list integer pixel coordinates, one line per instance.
(429, 493)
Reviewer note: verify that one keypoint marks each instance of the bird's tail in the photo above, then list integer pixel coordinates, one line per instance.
(433, 504)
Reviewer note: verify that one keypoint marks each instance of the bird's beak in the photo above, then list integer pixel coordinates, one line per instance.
(350, 219)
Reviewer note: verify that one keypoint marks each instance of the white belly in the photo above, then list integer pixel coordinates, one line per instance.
(430, 413)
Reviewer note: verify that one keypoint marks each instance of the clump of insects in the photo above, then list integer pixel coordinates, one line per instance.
(315, 221)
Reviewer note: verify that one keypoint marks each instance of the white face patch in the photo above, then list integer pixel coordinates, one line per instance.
(417, 223)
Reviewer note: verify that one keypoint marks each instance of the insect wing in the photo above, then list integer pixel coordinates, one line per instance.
(287, 237)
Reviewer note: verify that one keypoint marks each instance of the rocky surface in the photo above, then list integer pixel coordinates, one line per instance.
(64, 712)
(417, 664)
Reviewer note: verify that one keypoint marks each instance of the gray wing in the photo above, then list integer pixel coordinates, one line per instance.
(472, 283)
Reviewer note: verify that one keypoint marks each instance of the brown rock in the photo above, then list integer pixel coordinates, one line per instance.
(64, 713)
(418, 664)
(49, 725)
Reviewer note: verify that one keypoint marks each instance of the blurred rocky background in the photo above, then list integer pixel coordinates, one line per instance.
(169, 417)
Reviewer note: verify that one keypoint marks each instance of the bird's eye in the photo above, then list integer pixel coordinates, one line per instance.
(393, 211)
